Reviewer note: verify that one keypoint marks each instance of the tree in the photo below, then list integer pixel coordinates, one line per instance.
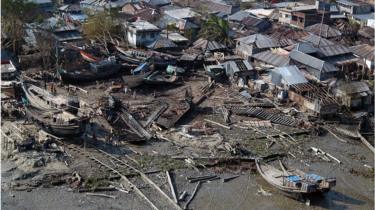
(216, 29)
(14, 15)
(46, 45)
(102, 27)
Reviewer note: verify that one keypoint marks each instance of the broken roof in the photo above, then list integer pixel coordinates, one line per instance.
(325, 30)
(311, 61)
(352, 87)
(182, 13)
(290, 74)
(272, 58)
(259, 40)
(364, 51)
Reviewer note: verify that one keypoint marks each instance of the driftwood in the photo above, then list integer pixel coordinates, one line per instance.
(173, 190)
(75, 87)
(216, 123)
(204, 178)
(192, 195)
(97, 189)
(101, 195)
(182, 196)
(364, 141)
(333, 134)
(230, 178)
(321, 152)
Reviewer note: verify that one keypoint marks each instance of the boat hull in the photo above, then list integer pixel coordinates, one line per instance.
(75, 129)
(87, 76)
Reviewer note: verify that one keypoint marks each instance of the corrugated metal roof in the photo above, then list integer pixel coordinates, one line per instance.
(311, 61)
(317, 40)
(305, 47)
(364, 51)
(290, 74)
(161, 43)
(325, 30)
(182, 13)
(272, 58)
(204, 45)
(239, 16)
(334, 50)
(260, 41)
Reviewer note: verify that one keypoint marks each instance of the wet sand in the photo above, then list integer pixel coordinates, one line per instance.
(352, 191)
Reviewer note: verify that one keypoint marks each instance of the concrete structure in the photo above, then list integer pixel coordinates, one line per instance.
(302, 16)
(141, 33)
(354, 7)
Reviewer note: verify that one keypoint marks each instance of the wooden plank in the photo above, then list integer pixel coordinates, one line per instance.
(173, 190)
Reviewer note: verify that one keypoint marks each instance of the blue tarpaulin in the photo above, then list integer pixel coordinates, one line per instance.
(313, 177)
(294, 178)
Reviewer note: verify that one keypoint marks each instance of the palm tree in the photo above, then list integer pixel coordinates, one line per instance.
(216, 29)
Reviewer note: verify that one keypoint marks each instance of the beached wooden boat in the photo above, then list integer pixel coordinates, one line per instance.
(132, 56)
(160, 60)
(294, 182)
(44, 100)
(90, 72)
(174, 113)
(132, 81)
(88, 57)
(57, 122)
(157, 78)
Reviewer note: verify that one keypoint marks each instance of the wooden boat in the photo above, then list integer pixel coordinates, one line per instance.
(57, 122)
(294, 182)
(91, 72)
(160, 60)
(157, 78)
(174, 113)
(88, 57)
(141, 69)
(132, 81)
(44, 100)
(132, 56)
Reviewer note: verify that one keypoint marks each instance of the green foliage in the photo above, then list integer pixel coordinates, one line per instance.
(15, 13)
(216, 29)
(101, 25)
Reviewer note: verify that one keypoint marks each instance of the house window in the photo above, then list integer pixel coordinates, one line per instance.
(143, 36)
(286, 16)
(152, 35)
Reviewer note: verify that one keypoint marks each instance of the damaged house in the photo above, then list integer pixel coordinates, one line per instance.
(318, 69)
(366, 53)
(239, 70)
(354, 94)
(249, 45)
